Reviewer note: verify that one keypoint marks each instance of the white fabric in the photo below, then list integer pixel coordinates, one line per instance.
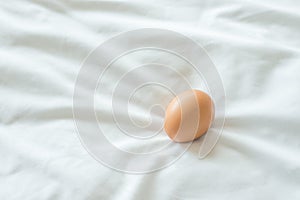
(255, 46)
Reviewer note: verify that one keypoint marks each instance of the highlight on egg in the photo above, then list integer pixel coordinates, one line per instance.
(188, 116)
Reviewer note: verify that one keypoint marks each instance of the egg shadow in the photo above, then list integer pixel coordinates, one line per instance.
(204, 146)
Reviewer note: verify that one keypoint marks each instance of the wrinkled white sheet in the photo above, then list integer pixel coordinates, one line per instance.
(255, 46)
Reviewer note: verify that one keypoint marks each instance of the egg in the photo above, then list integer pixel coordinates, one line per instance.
(188, 116)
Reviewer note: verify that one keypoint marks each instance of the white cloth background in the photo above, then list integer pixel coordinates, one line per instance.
(255, 46)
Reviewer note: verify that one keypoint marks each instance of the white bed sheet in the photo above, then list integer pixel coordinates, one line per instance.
(254, 44)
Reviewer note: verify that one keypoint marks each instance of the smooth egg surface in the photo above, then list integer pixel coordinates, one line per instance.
(188, 116)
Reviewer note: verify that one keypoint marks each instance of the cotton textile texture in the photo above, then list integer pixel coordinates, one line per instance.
(255, 46)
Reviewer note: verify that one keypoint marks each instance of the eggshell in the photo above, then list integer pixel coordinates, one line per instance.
(188, 116)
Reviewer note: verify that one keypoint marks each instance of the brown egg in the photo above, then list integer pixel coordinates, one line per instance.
(188, 116)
